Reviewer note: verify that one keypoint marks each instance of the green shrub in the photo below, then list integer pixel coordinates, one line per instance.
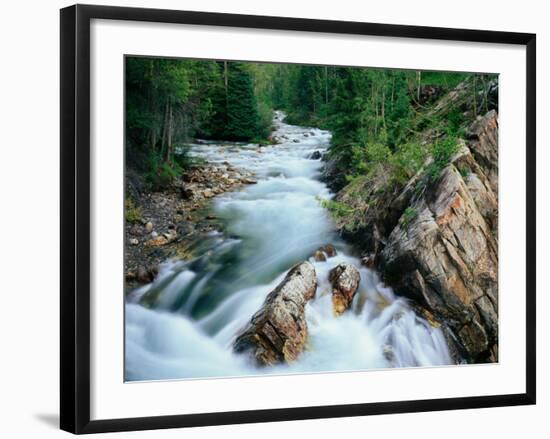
(162, 173)
(132, 213)
(464, 170)
(408, 216)
(407, 160)
(442, 152)
(337, 208)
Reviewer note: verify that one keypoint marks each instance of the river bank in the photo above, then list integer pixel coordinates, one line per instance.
(169, 223)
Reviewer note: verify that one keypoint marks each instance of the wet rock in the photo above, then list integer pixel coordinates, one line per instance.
(143, 275)
(295, 140)
(277, 333)
(388, 353)
(333, 174)
(316, 155)
(170, 235)
(319, 256)
(324, 252)
(248, 181)
(329, 250)
(369, 260)
(208, 193)
(306, 135)
(344, 279)
(473, 338)
(136, 230)
(187, 192)
(157, 241)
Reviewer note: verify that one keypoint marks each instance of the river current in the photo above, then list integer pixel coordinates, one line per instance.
(268, 227)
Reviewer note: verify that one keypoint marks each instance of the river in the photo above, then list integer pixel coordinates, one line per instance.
(201, 305)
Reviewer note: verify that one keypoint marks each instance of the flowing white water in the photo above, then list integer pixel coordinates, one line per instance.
(269, 227)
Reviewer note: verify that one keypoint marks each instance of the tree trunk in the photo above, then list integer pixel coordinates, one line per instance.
(164, 129)
(418, 81)
(392, 92)
(326, 85)
(384, 108)
(225, 76)
(475, 97)
(170, 135)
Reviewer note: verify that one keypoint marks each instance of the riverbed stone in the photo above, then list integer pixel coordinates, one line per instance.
(277, 332)
(315, 155)
(329, 250)
(319, 256)
(344, 279)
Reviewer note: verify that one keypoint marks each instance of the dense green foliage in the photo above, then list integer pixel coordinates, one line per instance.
(376, 116)
(171, 101)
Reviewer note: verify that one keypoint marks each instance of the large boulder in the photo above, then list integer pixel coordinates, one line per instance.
(277, 333)
(344, 279)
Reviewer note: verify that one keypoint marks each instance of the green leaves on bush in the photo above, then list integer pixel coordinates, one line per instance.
(131, 211)
(337, 208)
(408, 216)
(442, 152)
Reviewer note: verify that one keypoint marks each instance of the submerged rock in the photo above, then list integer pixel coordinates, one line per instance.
(329, 250)
(344, 279)
(324, 252)
(145, 274)
(316, 155)
(277, 333)
(319, 256)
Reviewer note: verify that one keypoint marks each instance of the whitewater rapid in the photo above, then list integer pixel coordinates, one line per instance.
(268, 227)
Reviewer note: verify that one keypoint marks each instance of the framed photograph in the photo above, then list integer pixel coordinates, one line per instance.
(268, 218)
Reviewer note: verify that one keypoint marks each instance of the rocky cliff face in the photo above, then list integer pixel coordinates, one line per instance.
(445, 253)
(435, 241)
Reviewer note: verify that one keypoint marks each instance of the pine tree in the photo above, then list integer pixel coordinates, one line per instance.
(243, 120)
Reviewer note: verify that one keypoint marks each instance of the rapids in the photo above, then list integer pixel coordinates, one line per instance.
(268, 227)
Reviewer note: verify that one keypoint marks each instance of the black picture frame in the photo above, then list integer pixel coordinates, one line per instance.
(75, 217)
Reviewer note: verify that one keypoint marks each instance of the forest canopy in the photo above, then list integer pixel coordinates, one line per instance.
(373, 114)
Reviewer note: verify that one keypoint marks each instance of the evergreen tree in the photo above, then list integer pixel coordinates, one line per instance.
(399, 116)
(243, 120)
